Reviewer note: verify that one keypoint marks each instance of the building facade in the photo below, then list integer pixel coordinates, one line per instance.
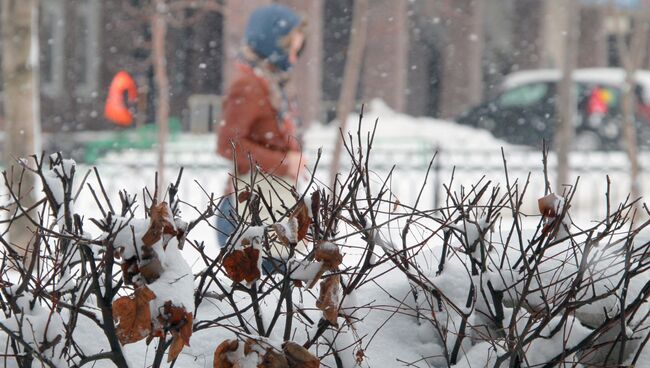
(422, 57)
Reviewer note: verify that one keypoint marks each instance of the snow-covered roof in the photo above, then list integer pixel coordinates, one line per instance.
(606, 76)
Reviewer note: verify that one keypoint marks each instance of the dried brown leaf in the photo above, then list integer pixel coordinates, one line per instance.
(150, 266)
(243, 196)
(176, 347)
(550, 205)
(220, 358)
(328, 301)
(329, 254)
(242, 265)
(315, 204)
(299, 357)
(129, 270)
(181, 232)
(301, 214)
(133, 316)
(396, 204)
(177, 319)
(360, 355)
(287, 231)
(273, 359)
(161, 222)
(186, 329)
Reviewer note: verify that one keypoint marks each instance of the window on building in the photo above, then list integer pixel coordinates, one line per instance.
(86, 52)
(52, 47)
(336, 38)
(615, 27)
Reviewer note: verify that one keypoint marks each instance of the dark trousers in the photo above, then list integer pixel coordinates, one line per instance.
(226, 225)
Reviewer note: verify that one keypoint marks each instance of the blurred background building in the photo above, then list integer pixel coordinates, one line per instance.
(423, 57)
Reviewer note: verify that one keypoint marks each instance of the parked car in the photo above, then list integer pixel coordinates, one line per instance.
(524, 112)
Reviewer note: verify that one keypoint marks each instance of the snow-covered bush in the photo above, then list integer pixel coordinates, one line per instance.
(502, 296)
(484, 287)
(126, 280)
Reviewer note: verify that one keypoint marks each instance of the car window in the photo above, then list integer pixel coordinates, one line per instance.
(598, 99)
(523, 96)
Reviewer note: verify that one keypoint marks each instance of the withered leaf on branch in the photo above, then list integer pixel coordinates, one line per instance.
(179, 322)
(242, 265)
(295, 227)
(132, 315)
(220, 354)
(181, 232)
(178, 319)
(328, 300)
(299, 356)
(301, 214)
(176, 347)
(329, 254)
(287, 231)
(130, 269)
(396, 204)
(550, 205)
(360, 354)
(273, 359)
(315, 204)
(161, 222)
(150, 266)
(291, 356)
(243, 196)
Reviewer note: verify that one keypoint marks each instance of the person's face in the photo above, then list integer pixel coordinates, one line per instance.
(296, 43)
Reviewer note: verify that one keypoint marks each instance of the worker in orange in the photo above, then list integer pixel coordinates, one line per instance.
(122, 95)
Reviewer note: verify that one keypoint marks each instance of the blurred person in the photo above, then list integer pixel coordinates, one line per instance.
(121, 99)
(259, 120)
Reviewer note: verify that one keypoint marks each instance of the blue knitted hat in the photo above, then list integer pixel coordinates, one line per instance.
(266, 28)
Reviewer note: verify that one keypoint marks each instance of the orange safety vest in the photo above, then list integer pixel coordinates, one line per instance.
(116, 109)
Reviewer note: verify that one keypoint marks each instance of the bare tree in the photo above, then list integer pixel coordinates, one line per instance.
(160, 14)
(351, 73)
(21, 102)
(566, 102)
(158, 35)
(631, 56)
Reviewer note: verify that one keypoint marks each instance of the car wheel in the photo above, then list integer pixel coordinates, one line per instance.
(587, 141)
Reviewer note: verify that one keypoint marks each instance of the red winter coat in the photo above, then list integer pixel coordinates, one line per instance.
(252, 124)
(116, 109)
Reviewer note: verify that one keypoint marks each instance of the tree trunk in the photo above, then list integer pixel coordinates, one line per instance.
(143, 97)
(159, 32)
(20, 51)
(566, 103)
(632, 56)
(353, 61)
(629, 131)
(527, 34)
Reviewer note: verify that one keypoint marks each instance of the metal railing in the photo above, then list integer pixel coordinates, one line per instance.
(411, 161)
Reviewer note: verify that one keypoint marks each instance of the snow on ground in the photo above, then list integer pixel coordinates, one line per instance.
(394, 131)
(409, 143)
(394, 128)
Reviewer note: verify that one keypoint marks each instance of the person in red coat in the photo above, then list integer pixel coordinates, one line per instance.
(259, 120)
(122, 94)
